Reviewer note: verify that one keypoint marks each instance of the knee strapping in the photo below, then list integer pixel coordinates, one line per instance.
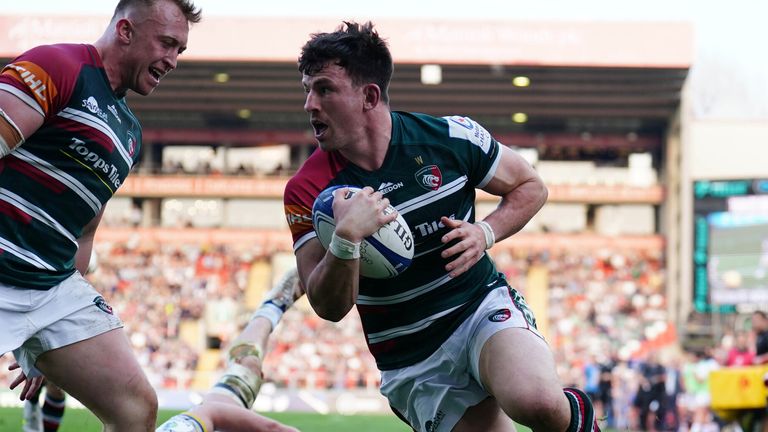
(239, 383)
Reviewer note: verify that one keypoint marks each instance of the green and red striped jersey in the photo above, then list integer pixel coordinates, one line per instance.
(432, 168)
(54, 184)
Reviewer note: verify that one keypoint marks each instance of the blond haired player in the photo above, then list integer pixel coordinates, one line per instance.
(68, 140)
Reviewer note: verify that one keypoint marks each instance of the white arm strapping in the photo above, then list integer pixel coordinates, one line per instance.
(490, 236)
(344, 249)
(10, 134)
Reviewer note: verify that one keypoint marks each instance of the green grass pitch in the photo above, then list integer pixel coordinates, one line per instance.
(79, 420)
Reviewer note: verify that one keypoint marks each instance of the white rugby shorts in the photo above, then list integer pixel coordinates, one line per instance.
(433, 395)
(37, 321)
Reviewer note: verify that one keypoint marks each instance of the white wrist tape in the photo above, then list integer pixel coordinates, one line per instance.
(344, 249)
(239, 383)
(271, 312)
(10, 134)
(241, 350)
(490, 236)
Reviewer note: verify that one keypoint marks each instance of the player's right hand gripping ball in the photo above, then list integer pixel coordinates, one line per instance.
(384, 254)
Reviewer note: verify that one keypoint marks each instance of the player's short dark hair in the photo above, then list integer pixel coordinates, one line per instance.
(357, 48)
(762, 314)
(192, 13)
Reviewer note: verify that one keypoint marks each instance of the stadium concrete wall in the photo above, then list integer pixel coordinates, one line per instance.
(727, 149)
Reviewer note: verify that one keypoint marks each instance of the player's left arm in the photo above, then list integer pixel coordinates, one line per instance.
(85, 243)
(17, 121)
(34, 86)
(522, 195)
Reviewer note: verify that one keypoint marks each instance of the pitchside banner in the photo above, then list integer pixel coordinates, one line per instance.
(730, 250)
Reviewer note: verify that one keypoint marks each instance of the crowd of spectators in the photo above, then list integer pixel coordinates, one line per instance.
(607, 323)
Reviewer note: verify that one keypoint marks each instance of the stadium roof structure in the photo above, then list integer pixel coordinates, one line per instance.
(607, 83)
(263, 102)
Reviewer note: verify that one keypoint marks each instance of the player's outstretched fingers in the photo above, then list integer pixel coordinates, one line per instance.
(31, 385)
(469, 246)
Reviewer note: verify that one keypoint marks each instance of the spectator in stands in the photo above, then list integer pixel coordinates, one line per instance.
(673, 388)
(623, 387)
(651, 394)
(760, 329)
(592, 378)
(604, 400)
(696, 380)
(740, 353)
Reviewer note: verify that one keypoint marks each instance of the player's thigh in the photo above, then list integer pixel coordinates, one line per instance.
(434, 394)
(517, 367)
(69, 312)
(103, 374)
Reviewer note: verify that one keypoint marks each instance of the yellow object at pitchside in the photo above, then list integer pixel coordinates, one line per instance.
(738, 388)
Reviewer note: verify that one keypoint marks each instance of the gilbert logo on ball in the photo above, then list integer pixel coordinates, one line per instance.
(384, 254)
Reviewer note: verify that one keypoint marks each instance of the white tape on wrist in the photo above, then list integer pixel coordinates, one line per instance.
(4, 149)
(344, 249)
(239, 383)
(241, 350)
(271, 312)
(10, 134)
(490, 236)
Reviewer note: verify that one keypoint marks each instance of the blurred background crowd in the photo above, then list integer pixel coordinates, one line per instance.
(608, 326)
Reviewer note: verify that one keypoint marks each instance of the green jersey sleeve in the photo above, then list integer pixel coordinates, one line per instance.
(475, 147)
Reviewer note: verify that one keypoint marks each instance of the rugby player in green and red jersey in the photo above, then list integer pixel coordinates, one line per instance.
(457, 346)
(67, 142)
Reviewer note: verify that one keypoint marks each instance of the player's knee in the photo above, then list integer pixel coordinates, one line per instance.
(541, 411)
(147, 404)
(138, 407)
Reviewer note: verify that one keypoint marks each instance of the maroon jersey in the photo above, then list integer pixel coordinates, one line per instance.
(58, 180)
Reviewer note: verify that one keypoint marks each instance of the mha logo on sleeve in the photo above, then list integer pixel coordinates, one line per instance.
(468, 129)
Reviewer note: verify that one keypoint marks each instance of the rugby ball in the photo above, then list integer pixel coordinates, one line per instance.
(384, 254)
